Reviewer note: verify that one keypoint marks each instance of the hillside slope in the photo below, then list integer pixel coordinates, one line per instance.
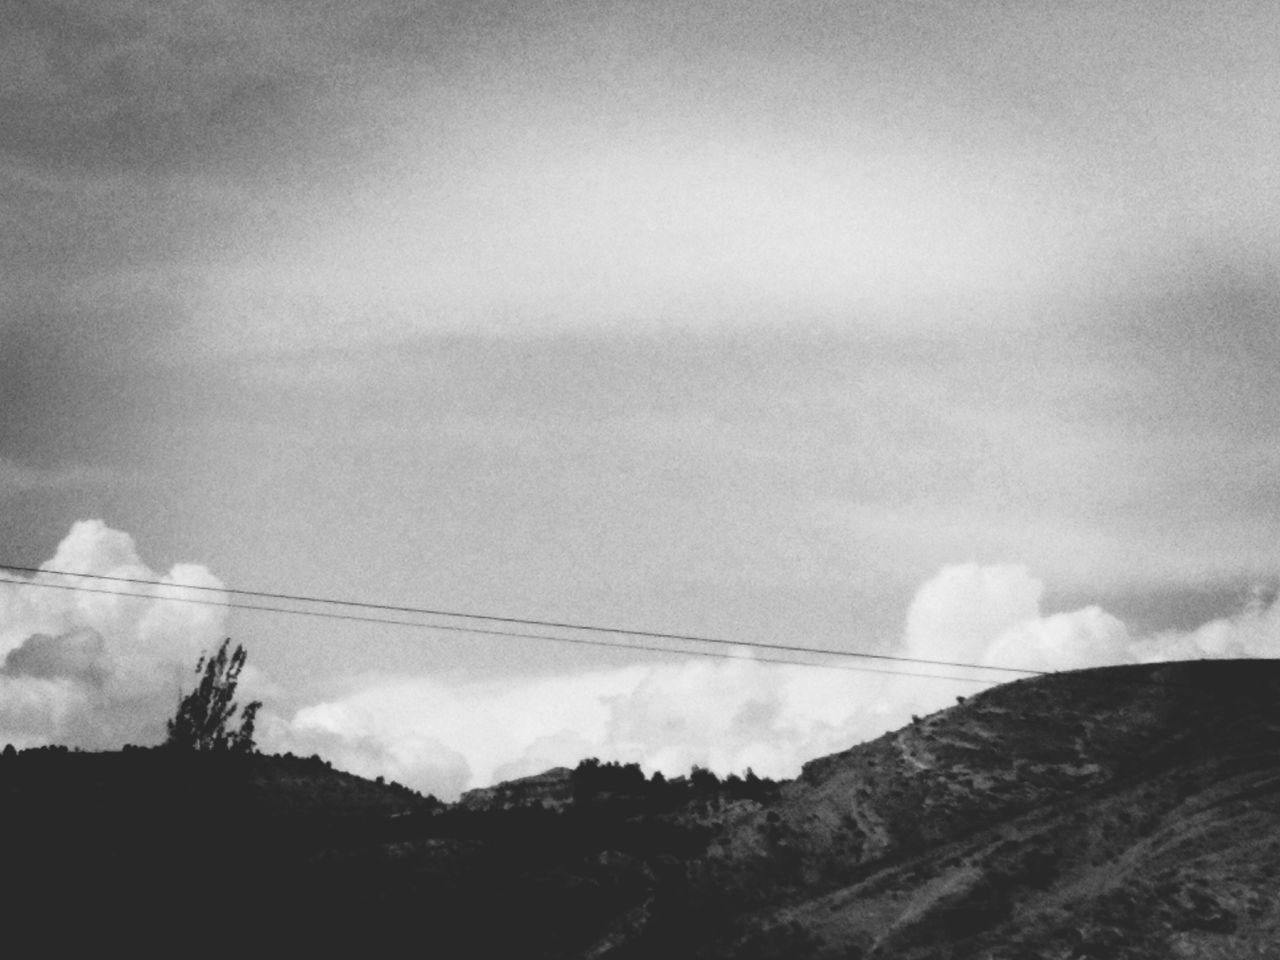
(1123, 812)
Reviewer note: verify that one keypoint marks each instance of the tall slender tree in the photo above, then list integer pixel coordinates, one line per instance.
(205, 715)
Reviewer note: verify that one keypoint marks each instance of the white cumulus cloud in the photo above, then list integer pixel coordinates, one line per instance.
(727, 715)
(732, 714)
(992, 615)
(960, 612)
(99, 667)
(1253, 632)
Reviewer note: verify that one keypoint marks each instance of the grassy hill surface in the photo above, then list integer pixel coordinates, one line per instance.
(1127, 812)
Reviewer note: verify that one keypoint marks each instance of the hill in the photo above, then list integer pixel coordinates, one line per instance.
(1127, 812)
(1123, 812)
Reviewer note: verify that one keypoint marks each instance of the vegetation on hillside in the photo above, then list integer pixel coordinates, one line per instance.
(596, 782)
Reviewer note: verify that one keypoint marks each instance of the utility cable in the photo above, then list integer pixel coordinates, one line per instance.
(519, 621)
(455, 628)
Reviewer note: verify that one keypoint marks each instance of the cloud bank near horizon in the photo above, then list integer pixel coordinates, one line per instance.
(732, 715)
(98, 670)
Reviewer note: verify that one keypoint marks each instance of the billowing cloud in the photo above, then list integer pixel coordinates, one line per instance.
(1064, 641)
(961, 611)
(725, 715)
(362, 742)
(1253, 632)
(99, 667)
(738, 714)
(992, 615)
(422, 728)
(735, 714)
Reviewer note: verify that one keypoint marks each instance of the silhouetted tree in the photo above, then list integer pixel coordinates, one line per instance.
(703, 780)
(203, 720)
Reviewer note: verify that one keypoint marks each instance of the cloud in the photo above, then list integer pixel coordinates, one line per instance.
(357, 741)
(78, 656)
(1090, 637)
(1253, 632)
(992, 615)
(961, 611)
(99, 669)
(425, 726)
(725, 715)
(733, 715)
(443, 737)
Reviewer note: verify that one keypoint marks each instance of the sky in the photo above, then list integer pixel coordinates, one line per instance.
(922, 328)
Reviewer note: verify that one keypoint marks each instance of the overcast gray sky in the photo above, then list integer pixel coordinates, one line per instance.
(738, 318)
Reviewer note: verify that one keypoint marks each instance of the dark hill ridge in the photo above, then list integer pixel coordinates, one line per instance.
(1127, 812)
(153, 779)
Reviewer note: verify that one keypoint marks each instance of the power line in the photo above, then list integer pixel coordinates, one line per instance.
(494, 633)
(455, 628)
(520, 621)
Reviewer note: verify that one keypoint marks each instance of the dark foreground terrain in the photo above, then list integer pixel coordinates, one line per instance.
(1128, 812)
